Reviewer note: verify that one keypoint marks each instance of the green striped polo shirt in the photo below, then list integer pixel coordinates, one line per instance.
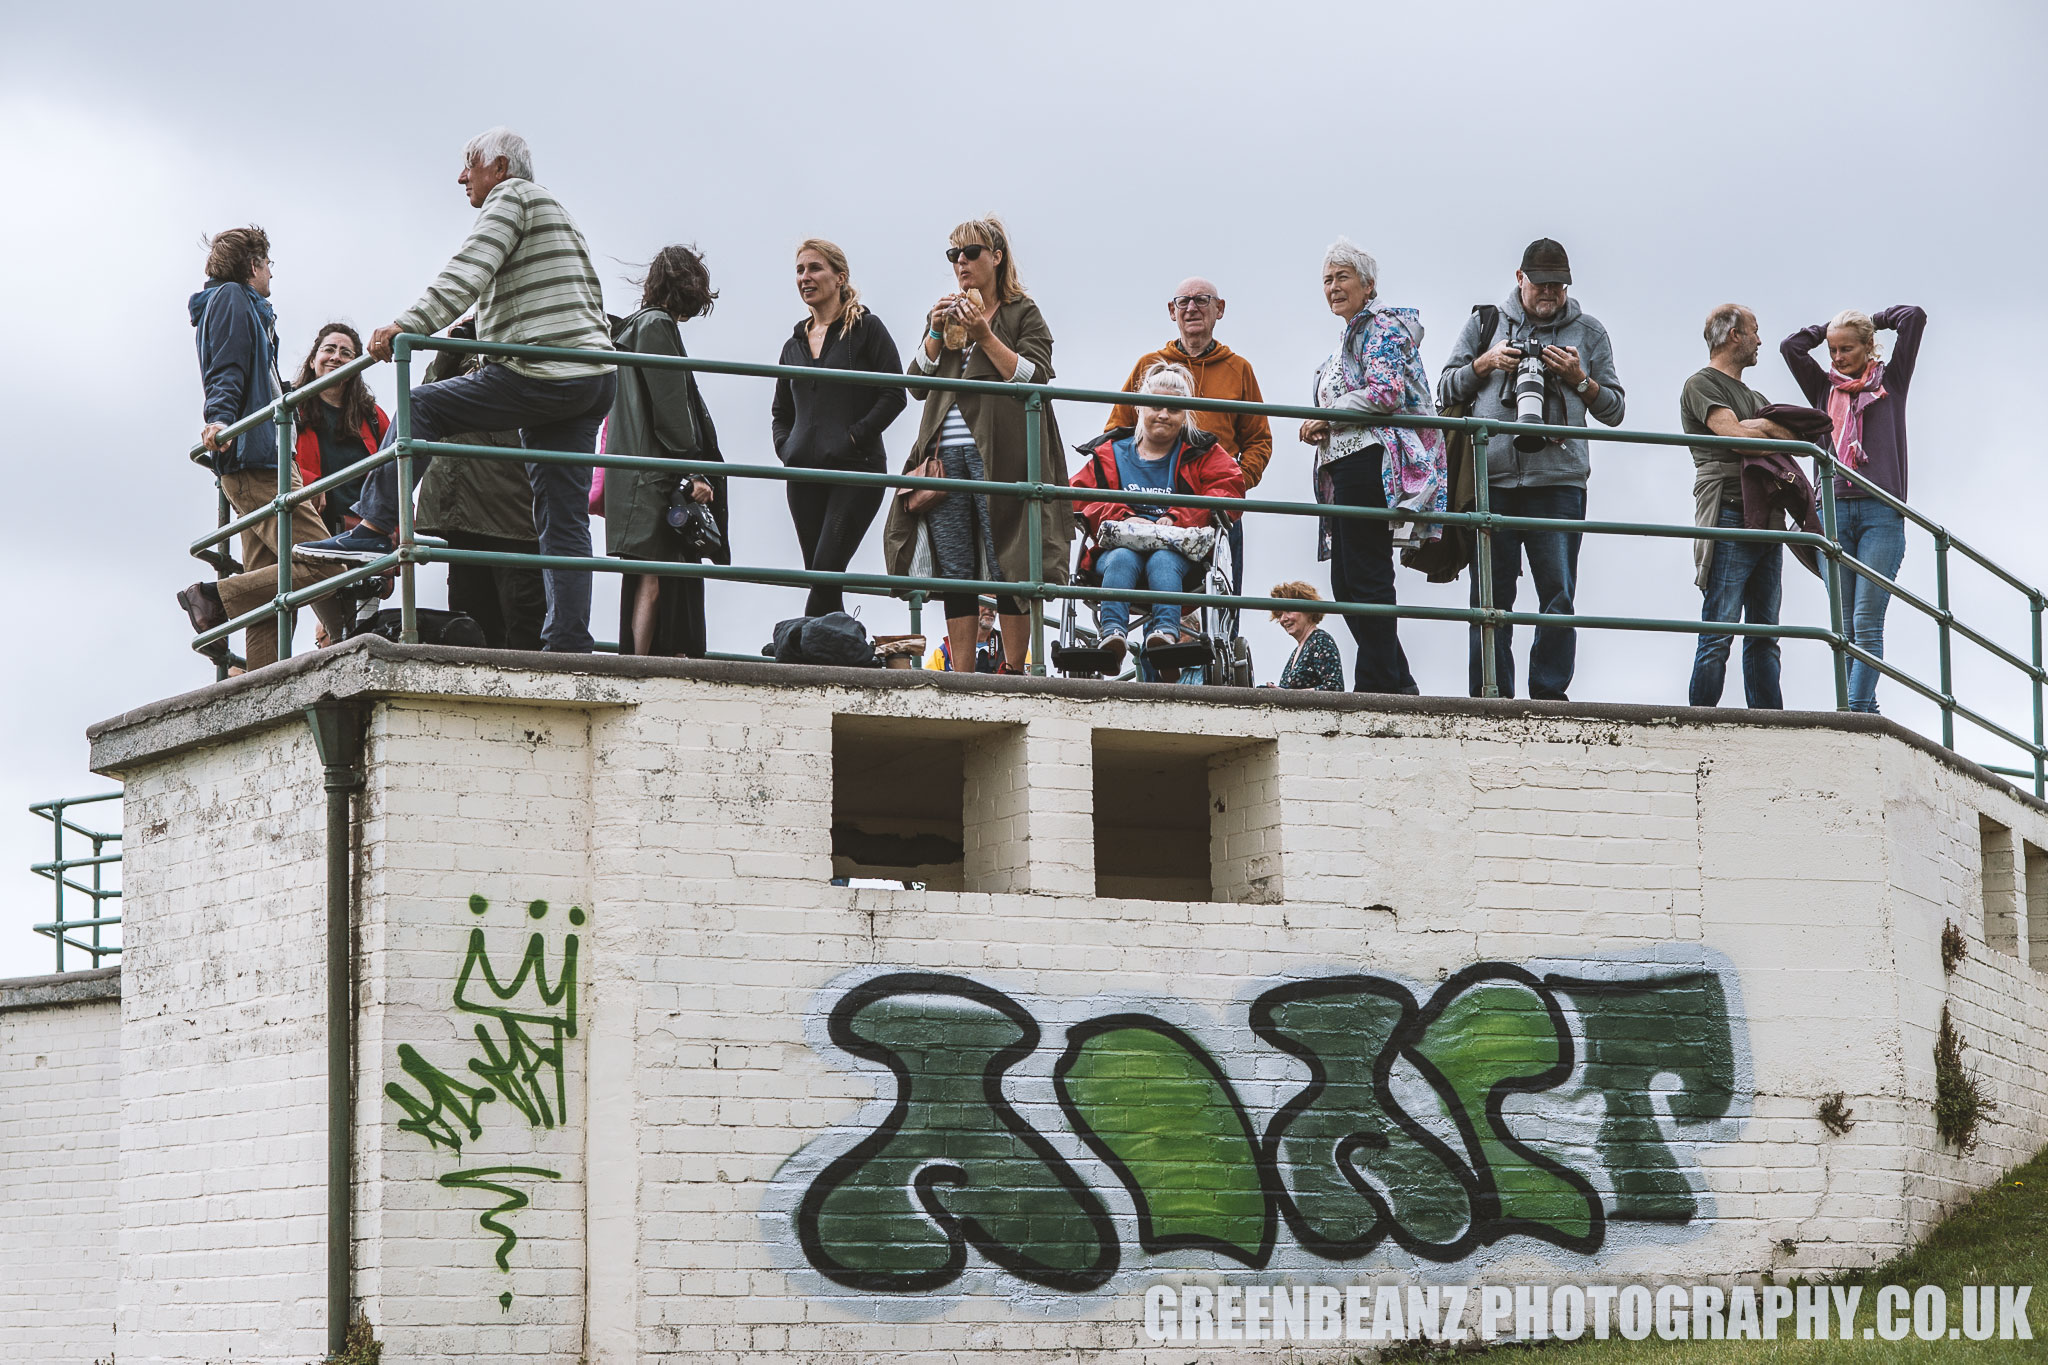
(527, 269)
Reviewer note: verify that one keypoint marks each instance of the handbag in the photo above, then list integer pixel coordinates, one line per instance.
(1194, 543)
(918, 501)
(693, 521)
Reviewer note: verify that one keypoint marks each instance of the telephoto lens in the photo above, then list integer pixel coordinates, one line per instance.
(1529, 380)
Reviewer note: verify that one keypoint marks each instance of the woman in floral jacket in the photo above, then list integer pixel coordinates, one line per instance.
(1376, 368)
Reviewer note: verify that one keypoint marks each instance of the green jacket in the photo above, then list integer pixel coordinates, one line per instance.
(475, 497)
(661, 415)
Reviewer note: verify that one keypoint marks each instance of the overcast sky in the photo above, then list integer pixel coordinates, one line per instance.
(1797, 158)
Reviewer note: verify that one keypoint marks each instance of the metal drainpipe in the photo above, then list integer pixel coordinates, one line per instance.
(338, 734)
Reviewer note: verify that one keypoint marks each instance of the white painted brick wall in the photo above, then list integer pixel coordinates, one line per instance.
(60, 1127)
(692, 821)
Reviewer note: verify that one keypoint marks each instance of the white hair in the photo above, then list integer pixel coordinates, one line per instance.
(1859, 325)
(1722, 322)
(493, 143)
(1346, 252)
(1167, 377)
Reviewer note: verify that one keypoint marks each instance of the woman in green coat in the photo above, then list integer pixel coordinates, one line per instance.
(660, 414)
(1001, 337)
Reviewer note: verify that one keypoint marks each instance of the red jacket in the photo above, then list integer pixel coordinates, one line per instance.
(306, 450)
(1205, 469)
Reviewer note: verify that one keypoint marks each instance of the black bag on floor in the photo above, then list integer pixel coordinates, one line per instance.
(834, 638)
(436, 627)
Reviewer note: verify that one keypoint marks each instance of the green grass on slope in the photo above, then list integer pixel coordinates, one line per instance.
(1998, 1238)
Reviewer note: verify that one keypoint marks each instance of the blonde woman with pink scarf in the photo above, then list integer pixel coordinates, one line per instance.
(1864, 395)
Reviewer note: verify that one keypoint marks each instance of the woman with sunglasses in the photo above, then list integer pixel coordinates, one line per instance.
(1001, 338)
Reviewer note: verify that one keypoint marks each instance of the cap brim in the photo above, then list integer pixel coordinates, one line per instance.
(1548, 276)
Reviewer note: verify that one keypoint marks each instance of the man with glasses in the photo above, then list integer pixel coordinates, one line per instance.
(1196, 307)
(236, 332)
(1545, 478)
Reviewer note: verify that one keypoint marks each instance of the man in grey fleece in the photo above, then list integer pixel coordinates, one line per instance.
(1578, 363)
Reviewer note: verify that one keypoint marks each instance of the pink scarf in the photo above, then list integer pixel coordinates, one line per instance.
(1846, 402)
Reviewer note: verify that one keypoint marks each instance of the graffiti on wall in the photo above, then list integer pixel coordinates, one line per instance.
(522, 1024)
(1400, 1122)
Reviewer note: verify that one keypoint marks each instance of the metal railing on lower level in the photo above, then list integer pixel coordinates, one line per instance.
(1039, 587)
(99, 866)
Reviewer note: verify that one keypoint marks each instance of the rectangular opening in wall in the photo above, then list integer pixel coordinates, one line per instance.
(2037, 906)
(1186, 817)
(926, 802)
(2001, 896)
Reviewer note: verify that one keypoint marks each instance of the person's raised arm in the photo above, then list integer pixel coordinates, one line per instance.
(499, 226)
(1797, 350)
(1907, 321)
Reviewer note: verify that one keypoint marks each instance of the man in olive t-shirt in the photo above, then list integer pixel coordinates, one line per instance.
(1739, 579)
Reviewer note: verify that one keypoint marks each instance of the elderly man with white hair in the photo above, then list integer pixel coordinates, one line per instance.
(526, 268)
(1376, 368)
(1195, 308)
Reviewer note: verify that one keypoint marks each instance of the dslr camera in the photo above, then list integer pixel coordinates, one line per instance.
(1527, 383)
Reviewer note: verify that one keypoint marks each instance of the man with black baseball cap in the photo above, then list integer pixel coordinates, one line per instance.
(1539, 319)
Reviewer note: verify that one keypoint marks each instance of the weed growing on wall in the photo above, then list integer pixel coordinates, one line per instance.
(359, 1347)
(1835, 1114)
(1960, 1103)
(1954, 947)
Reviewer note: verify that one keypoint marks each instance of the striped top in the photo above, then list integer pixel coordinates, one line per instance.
(527, 269)
(953, 431)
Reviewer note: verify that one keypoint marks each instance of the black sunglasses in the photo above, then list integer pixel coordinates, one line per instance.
(972, 251)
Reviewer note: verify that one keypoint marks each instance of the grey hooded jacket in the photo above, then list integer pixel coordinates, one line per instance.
(1559, 463)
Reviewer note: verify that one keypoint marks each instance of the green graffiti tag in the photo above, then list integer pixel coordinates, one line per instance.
(1158, 1110)
(523, 1044)
(952, 1164)
(1413, 1127)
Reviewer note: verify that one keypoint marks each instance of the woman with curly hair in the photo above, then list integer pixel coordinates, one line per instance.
(344, 427)
(660, 414)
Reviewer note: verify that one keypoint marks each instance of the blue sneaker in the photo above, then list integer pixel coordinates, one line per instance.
(357, 545)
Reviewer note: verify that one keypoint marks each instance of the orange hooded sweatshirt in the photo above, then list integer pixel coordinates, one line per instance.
(1219, 373)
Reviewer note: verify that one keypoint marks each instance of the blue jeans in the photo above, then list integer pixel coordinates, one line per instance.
(549, 414)
(1743, 582)
(1554, 565)
(1876, 535)
(1161, 570)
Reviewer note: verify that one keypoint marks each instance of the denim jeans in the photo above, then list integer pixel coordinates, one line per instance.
(1876, 535)
(1161, 570)
(1554, 565)
(549, 414)
(1743, 582)
(1362, 570)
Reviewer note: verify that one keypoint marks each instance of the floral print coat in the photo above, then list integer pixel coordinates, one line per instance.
(1377, 367)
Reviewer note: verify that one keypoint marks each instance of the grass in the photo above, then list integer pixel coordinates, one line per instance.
(1999, 1237)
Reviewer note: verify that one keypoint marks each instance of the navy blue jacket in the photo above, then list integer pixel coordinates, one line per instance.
(236, 331)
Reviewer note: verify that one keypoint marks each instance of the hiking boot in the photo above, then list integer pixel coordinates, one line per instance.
(202, 605)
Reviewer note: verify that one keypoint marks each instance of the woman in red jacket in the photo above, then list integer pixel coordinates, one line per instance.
(343, 427)
(1168, 453)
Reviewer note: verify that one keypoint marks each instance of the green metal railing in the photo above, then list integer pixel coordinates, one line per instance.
(411, 550)
(98, 865)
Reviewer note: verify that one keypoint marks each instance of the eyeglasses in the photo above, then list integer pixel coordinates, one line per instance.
(1182, 303)
(972, 251)
(341, 349)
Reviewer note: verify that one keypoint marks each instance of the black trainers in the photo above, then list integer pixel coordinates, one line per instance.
(357, 545)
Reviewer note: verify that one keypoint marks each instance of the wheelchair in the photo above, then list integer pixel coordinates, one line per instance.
(1213, 648)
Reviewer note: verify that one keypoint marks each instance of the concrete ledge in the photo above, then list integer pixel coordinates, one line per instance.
(370, 667)
(64, 988)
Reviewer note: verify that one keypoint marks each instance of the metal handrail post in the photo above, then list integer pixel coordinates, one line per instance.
(286, 614)
(2035, 602)
(220, 665)
(1482, 566)
(57, 856)
(408, 613)
(1034, 526)
(917, 613)
(1941, 623)
(1824, 475)
(98, 870)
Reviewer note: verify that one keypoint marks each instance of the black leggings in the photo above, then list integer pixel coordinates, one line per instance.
(830, 524)
(969, 604)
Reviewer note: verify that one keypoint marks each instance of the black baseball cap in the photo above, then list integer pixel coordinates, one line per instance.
(1545, 262)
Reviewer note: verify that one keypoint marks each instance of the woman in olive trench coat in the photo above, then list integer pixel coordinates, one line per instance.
(660, 413)
(981, 260)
